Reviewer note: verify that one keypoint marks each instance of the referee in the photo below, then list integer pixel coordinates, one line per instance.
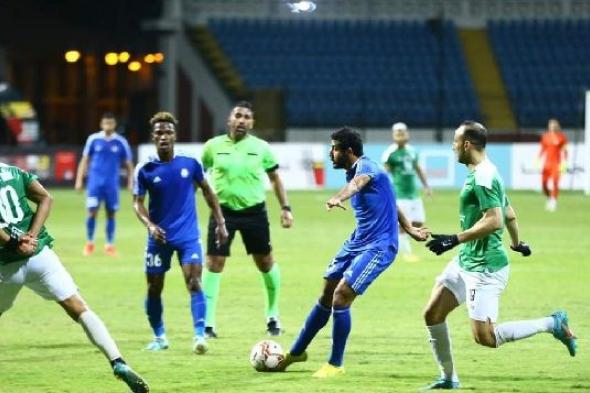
(237, 163)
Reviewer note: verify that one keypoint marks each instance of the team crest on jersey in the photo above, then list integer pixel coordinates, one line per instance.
(115, 149)
(6, 176)
(157, 179)
(184, 172)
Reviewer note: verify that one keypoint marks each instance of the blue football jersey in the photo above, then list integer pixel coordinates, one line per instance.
(106, 156)
(374, 208)
(171, 190)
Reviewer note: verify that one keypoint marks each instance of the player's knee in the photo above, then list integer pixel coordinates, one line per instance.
(485, 339)
(215, 264)
(343, 296)
(154, 289)
(193, 284)
(433, 316)
(264, 263)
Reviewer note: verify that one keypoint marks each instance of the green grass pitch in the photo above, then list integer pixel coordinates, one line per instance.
(41, 350)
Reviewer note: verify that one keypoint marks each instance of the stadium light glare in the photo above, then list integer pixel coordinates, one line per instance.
(134, 66)
(149, 58)
(303, 6)
(158, 57)
(72, 56)
(124, 57)
(111, 58)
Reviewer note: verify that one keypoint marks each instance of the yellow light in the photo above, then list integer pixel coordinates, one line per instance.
(134, 66)
(111, 58)
(158, 57)
(72, 56)
(149, 58)
(124, 57)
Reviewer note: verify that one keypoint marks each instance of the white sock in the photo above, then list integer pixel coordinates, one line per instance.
(99, 335)
(517, 330)
(442, 348)
(404, 244)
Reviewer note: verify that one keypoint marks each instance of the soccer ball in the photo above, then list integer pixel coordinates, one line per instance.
(266, 355)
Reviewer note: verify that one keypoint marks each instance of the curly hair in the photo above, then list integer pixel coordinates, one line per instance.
(163, 117)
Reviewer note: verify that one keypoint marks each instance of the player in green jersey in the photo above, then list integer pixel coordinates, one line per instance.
(238, 163)
(479, 274)
(401, 161)
(26, 259)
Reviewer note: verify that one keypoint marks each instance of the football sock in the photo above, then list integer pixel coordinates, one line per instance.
(99, 335)
(342, 324)
(111, 230)
(90, 227)
(154, 310)
(316, 320)
(272, 284)
(442, 349)
(198, 305)
(404, 244)
(211, 283)
(512, 331)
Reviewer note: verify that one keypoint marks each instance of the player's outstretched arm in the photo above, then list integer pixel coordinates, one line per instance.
(512, 225)
(141, 212)
(418, 234)
(281, 194)
(81, 174)
(355, 185)
(130, 170)
(221, 233)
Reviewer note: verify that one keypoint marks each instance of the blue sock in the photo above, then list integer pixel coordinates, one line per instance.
(316, 320)
(90, 226)
(154, 309)
(198, 307)
(110, 230)
(340, 329)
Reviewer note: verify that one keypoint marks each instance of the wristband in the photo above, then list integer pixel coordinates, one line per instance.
(286, 208)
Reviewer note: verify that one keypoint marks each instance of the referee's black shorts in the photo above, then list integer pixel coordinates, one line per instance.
(253, 225)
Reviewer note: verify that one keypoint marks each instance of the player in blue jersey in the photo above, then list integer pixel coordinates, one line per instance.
(370, 250)
(101, 160)
(170, 180)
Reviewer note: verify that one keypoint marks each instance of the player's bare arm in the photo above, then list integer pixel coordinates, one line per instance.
(418, 234)
(81, 174)
(141, 212)
(512, 225)
(355, 185)
(423, 179)
(130, 169)
(41, 197)
(281, 194)
(490, 222)
(221, 234)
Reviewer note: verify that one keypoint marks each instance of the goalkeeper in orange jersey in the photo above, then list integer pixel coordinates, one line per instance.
(554, 156)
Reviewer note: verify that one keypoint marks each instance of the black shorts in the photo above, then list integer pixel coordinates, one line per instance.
(253, 225)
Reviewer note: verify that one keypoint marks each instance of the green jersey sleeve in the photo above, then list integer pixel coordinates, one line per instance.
(488, 198)
(269, 161)
(27, 177)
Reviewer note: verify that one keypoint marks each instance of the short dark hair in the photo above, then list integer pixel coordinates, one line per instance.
(349, 138)
(475, 133)
(108, 115)
(244, 104)
(163, 117)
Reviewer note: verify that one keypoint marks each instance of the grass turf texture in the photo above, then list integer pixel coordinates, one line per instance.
(41, 350)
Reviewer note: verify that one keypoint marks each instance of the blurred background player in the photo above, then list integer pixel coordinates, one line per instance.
(479, 274)
(554, 157)
(401, 161)
(101, 160)
(26, 259)
(368, 252)
(171, 180)
(238, 162)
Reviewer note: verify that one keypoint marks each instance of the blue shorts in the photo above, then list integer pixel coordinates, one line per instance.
(95, 195)
(158, 256)
(360, 268)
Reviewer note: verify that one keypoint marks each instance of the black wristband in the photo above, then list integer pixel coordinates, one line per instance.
(12, 243)
(286, 208)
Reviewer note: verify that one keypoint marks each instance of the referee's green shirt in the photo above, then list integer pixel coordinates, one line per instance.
(238, 169)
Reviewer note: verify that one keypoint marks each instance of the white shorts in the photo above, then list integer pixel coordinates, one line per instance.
(43, 273)
(481, 291)
(413, 209)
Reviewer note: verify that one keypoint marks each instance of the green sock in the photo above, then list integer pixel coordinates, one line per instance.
(211, 283)
(272, 284)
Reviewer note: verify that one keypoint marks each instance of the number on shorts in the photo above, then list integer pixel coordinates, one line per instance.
(472, 294)
(10, 210)
(152, 260)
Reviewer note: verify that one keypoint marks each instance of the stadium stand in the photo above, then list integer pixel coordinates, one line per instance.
(367, 73)
(545, 66)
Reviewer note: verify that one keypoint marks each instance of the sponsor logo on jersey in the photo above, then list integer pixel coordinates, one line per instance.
(184, 172)
(157, 179)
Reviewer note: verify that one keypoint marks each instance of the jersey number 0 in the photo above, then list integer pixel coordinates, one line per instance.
(10, 210)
